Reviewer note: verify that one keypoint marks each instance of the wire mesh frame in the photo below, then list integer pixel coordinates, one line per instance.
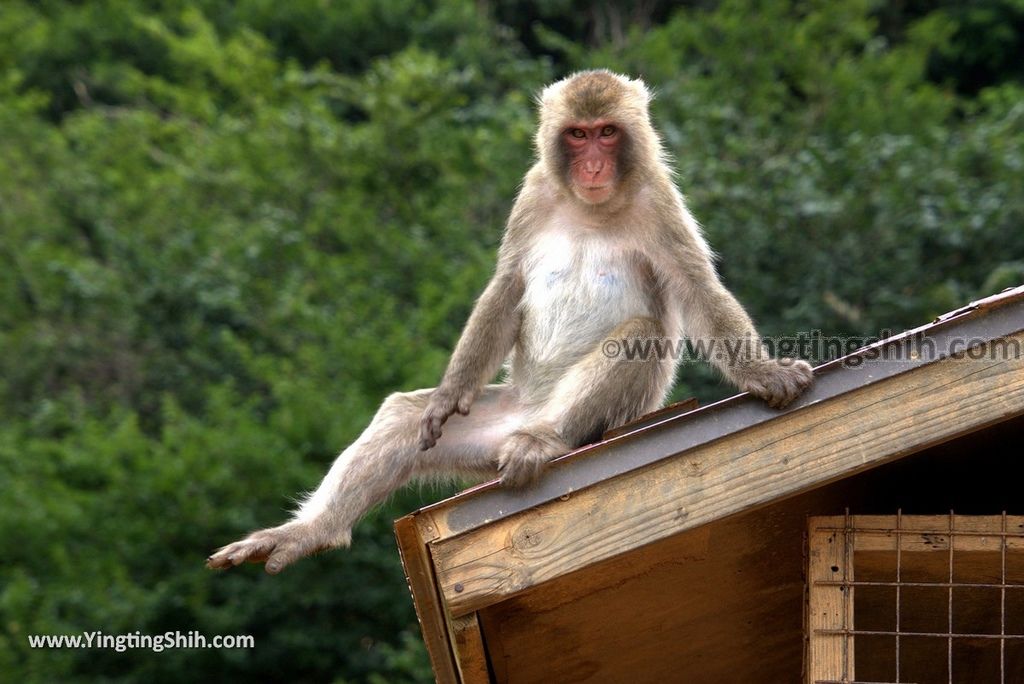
(847, 584)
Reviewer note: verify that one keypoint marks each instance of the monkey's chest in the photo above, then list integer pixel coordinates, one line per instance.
(588, 286)
(576, 294)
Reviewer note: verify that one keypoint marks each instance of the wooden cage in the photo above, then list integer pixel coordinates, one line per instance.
(922, 599)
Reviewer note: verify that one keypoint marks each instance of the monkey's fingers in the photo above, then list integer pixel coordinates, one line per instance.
(429, 434)
(794, 376)
(430, 427)
(785, 380)
(773, 392)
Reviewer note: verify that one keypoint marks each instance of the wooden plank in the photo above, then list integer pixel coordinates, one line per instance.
(829, 607)
(419, 574)
(924, 533)
(470, 653)
(743, 470)
(720, 604)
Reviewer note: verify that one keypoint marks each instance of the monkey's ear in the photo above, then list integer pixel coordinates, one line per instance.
(551, 92)
(641, 89)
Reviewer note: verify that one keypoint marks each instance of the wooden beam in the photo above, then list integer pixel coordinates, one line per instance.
(470, 653)
(829, 605)
(927, 533)
(419, 574)
(793, 453)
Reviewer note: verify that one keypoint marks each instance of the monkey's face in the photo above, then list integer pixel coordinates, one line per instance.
(592, 153)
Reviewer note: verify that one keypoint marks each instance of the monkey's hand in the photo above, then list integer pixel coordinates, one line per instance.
(777, 381)
(443, 403)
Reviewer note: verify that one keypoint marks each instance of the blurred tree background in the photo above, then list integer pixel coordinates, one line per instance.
(228, 230)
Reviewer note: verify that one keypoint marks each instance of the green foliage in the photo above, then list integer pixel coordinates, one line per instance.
(228, 230)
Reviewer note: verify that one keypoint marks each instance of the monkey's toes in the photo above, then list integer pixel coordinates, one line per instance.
(229, 556)
(524, 455)
(277, 547)
(520, 471)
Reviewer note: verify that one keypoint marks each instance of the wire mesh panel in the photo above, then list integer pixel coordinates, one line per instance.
(915, 599)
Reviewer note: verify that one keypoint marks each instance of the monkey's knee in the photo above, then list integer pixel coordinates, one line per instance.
(399, 409)
(648, 352)
(641, 380)
(396, 421)
(641, 327)
(651, 365)
(406, 402)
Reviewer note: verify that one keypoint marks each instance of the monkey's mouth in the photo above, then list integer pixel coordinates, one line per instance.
(596, 193)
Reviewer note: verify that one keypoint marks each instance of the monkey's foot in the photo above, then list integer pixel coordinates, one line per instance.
(778, 381)
(277, 547)
(525, 453)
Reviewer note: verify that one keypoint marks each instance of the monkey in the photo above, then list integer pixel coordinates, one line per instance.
(599, 245)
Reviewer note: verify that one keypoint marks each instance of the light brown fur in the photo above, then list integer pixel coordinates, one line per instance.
(571, 273)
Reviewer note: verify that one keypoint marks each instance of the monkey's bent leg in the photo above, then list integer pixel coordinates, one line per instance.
(597, 393)
(385, 457)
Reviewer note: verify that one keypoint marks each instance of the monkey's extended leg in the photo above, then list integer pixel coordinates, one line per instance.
(385, 457)
(597, 393)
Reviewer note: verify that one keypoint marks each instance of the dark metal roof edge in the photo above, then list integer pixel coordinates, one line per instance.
(986, 319)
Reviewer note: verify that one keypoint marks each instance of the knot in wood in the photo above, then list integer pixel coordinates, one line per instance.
(526, 537)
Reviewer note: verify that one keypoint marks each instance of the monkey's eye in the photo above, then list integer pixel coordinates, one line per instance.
(578, 133)
(607, 131)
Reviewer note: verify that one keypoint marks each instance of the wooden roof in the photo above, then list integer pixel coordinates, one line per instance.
(664, 508)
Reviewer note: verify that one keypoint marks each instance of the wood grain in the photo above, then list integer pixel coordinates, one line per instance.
(470, 654)
(829, 560)
(925, 533)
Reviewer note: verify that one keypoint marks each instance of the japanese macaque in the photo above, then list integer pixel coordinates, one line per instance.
(599, 246)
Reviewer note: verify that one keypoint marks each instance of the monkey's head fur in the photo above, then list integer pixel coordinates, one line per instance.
(604, 105)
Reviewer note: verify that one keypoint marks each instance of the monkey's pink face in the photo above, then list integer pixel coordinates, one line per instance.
(593, 149)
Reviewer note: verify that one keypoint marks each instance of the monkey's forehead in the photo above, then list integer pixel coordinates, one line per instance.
(590, 95)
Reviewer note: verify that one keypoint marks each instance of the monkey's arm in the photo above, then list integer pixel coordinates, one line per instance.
(713, 314)
(485, 342)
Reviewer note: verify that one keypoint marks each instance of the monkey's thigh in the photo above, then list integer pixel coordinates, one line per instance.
(469, 444)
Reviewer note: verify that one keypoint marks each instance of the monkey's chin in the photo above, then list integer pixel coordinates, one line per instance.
(594, 195)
